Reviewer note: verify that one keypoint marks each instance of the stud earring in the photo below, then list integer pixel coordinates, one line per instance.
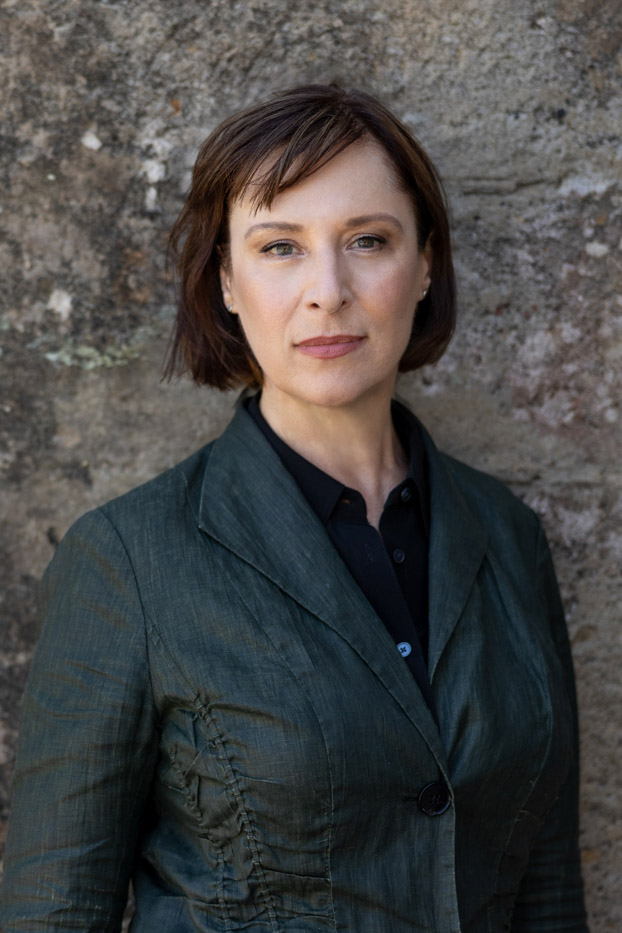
(230, 309)
(425, 292)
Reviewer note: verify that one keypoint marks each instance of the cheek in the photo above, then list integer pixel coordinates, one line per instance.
(406, 283)
(393, 294)
(263, 295)
(263, 320)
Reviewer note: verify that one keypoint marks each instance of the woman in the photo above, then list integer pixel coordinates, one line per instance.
(317, 676)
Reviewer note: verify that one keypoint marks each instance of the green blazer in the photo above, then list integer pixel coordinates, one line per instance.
(216, 711)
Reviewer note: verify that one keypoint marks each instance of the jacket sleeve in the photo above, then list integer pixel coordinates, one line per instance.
(550, 898)
(87, 744)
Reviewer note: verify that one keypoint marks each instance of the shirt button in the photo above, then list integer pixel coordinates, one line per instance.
(399, 556)
(404, 648)
(406, 494)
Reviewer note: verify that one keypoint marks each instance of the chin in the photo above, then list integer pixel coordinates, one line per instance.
(339, 395)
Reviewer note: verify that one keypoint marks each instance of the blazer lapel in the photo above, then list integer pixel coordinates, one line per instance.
(252, 506)
(458, 542)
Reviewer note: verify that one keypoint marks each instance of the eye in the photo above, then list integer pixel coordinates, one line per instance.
(279, 249)
(368, 241)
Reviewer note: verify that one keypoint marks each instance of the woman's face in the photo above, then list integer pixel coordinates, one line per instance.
(326, 282)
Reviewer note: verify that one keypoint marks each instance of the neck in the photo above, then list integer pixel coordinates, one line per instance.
(356, 444)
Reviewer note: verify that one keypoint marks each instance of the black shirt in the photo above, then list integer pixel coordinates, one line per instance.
(390, 566)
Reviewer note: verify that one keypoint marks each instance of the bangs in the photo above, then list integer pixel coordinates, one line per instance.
(262, 174)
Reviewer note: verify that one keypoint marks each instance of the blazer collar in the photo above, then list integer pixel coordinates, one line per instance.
(252, 506)
(458, 541)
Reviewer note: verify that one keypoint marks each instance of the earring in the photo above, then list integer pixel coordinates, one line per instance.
(230, 309)
(425, 292)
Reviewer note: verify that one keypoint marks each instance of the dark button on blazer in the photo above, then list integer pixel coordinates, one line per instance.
(215, 709)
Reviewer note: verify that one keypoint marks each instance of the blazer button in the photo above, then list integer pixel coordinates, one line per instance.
(434, 798)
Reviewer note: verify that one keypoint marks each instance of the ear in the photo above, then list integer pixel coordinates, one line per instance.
(225, 284)
(427, 256)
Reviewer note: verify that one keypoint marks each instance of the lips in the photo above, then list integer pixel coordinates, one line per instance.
(328, 341)
(329, 347)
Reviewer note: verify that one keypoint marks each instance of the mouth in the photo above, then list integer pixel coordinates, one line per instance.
(328, 341)
(329, 347)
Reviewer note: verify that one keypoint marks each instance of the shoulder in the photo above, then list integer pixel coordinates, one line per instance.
(460, 489)
(180, 485)
(476, 500)
(516, 546)
(501, 510)
(158, 510)
(486, 493)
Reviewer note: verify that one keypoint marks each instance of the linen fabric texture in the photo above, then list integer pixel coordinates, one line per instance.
(215, 709)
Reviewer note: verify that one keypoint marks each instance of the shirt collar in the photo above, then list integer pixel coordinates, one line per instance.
(409, 433)
(322, 491)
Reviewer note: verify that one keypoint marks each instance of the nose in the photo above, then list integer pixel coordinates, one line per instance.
(327, 287)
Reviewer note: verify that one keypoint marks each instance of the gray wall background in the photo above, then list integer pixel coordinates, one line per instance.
(519, 102)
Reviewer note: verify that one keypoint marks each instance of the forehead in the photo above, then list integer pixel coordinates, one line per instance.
(360, 178)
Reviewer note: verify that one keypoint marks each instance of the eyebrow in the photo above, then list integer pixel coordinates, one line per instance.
(286, 227)
(371, 218)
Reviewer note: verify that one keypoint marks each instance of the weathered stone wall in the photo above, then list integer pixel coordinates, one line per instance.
(519, 102)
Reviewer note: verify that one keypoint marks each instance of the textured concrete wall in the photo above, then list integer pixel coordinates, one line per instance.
(519, 101)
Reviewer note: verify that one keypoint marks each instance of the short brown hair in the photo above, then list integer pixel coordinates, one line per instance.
(305, 126)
